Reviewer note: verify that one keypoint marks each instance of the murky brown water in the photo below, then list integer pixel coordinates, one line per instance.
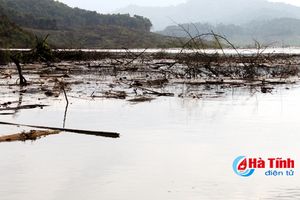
(170, 148)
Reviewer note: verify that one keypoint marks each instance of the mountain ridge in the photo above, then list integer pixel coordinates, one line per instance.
(214, 12)
(275, 32)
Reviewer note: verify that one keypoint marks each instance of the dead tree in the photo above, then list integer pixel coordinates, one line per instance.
(41, 52)
(23, 81)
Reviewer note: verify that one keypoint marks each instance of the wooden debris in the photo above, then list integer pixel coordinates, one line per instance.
(141, 99)
(31, 135)
(85, 132)
(8, 103)
(54, 76)
(153, 92)
(111, 95)
(157, 82)
(266, 89)
(23, 107)
(8, 113)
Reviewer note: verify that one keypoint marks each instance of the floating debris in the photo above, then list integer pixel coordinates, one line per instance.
(31, 135)
(266, 89)
(141, 99)
(85, 132)
(24, 107)
(111, 95)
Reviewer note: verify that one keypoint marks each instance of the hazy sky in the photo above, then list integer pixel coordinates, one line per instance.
(111, 5)
(104, 6)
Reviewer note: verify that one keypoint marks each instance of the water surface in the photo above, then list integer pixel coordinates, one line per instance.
(170, 148)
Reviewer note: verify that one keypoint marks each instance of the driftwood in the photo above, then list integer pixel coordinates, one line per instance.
(239, 82)
(141, 99)
(85, 132)
(23, 107)
(157, 82)
(139, 85)
(166, 94)
(31, 135)
(111, 95)
(7, 113)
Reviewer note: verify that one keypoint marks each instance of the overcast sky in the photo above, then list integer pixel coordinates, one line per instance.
(111, 5)
(105, 6)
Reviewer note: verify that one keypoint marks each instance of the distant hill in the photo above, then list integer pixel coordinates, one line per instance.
(12, 36)
(50, 14)
(214, 12)
(77, 28)
(277, 32)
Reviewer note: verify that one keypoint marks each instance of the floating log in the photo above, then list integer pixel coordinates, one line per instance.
(31, 135)
(160, 94)
(141, 99)
(111, 95)
(23, 107)
(85, 132)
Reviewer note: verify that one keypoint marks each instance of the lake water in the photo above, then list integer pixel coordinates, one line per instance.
(169, 149)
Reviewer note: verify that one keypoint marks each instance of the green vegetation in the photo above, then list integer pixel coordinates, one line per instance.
(104, 37)
(76, 28)
(13, 36)
(53, 15)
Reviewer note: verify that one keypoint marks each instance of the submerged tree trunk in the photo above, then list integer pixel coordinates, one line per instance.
(23, 81)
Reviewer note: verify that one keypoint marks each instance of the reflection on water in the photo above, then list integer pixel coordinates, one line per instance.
(170, 148)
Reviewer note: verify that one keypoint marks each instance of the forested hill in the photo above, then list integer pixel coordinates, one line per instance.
(77, 28)
(49, 14)
(13, 36)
